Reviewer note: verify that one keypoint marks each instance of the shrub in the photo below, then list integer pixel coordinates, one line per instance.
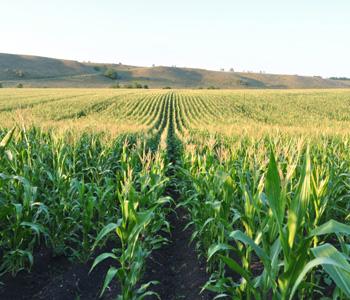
(145, 86)
(19, 73)
(1, 85)
(110, 73)
(167, 88)
(20, 85)
(115, 86)
(137, 85)
(97, 68)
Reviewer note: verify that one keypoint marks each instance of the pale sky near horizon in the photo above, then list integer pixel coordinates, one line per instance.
(305, 37)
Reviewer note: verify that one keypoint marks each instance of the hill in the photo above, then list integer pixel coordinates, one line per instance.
(36, 71)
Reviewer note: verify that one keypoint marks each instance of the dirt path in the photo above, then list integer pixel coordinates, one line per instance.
(176, 265)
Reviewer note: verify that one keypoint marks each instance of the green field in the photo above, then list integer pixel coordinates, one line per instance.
(260, 178)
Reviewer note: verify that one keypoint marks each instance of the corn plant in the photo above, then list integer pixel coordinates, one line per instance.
(142, 210)
(265, 234)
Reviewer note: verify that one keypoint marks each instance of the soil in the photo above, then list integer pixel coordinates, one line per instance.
(180, 273)
(57, 278)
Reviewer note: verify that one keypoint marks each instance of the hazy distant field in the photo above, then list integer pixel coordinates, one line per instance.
(259, 181)
(226, 111)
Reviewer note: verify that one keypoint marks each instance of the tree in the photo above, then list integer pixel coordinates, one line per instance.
(232, 70)
(110, 73)
(115, 86)
(145, 86)
(20, 85)
(1, 85)
(137, 85)
(19, 73)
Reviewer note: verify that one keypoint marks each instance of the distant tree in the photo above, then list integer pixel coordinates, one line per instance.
(137, 85)
(145, 86)
(128, 86)
(167, 88)
(97, 68)
(115, 86)
(339, 78)
(212, 87)
(111, 73)
(243, 82)
(20, 85)
(222, 70)
(232, 70)
(1, 85)
(19, 73)
(153, 65)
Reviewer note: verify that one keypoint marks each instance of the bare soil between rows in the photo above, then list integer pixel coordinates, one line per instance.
(176, 266)
(180, 273)
(58, 278)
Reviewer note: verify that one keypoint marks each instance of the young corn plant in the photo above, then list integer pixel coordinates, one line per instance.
(285, 243)
(20, 215)
(142, 217)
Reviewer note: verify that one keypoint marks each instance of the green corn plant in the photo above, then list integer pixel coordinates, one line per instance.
(287, 259)
(142, 218)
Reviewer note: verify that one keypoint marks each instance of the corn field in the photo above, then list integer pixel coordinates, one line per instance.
(261, 178)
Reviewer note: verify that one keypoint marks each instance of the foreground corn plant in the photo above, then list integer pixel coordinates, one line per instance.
(142, 218)
(264, 223)
(60, 194)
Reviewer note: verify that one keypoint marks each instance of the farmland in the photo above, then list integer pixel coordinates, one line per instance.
(135, 193)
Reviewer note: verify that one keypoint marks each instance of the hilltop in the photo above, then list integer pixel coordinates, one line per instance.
(37, 71)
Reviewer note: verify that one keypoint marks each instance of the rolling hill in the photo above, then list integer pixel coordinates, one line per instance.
(36, 71)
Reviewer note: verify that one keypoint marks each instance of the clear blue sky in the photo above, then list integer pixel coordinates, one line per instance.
(310, 37)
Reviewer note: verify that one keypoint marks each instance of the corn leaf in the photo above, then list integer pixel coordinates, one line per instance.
(273, 190)
(329, 227)
(341, 276)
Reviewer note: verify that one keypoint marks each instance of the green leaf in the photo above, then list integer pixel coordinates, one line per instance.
(216, 248)
(240, 236)
(273, 190)
(35, 227)
(329, 227)
(109, 277)
(101, 258)
(299, 203)
(234, 266)
(340, 276)
(310, 265)
(105, 230)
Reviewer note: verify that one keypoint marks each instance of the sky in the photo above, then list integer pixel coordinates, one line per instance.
(305, 37)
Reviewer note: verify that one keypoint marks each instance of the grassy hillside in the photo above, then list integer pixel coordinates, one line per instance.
(35, 71)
